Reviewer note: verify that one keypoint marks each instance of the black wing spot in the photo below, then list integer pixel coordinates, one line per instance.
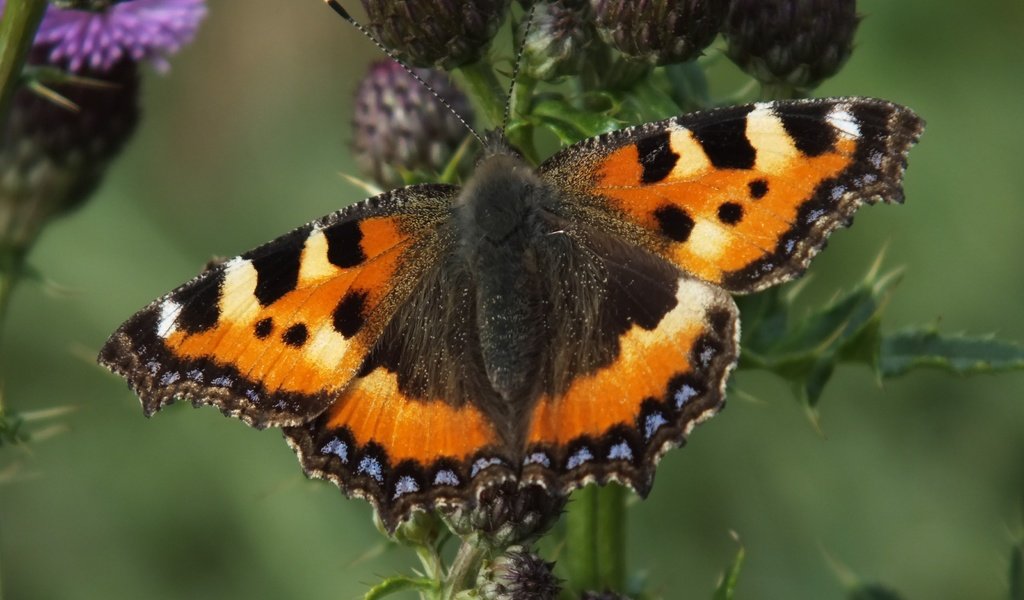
(296, 335)
(200, 304)
(344, 247)
(758, 188)
(263, 328)
(656, 157)
(807, 124)
(730, 213)
(674, 222)
(277, 266)
(725, 142)
(348, 316)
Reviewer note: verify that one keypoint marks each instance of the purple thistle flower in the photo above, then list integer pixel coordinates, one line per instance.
(137, 30)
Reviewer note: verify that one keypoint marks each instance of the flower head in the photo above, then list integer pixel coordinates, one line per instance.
(138, 30)
(558, 39)
(798, 43)
(442, 34)
(399, 126)
(660, 31)
(518, 574)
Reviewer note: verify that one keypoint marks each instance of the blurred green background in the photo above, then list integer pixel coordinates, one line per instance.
(918, 484)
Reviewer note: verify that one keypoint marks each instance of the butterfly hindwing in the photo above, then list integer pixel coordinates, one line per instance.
(744, 196)
(420, 422)
(272, 335)
(658, 359)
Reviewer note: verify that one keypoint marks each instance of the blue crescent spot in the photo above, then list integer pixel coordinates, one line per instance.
(371, 466)
(337, 448)
(483, 463)
(653, 423)
(581, 456)
(537, 458)
(446, 477)
(684, 395)
(170, 377)
(405, 485)
(620, 451)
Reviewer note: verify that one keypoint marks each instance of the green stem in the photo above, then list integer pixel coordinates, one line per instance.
(595, 538)
(18, 27)
(12, 261)
(462, 574)
(520, 132)
(482, 84)
(611, 542)
(581, 539)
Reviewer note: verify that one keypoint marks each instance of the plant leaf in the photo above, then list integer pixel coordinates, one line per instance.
(918, 347)
(727, 585)
(586, 123)
(399, 583)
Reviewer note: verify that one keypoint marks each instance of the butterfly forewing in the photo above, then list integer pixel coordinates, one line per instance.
(745, 196)
(272, 335)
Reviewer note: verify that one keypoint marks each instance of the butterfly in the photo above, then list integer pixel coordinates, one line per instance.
(547, 326)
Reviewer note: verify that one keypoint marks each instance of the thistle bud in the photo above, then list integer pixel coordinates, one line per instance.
(518, 574)
(422, 528)
(793, 43)
(660, 31)
(443, 34)
(52, 157)
(400, 127)
(559, 36)
(505, 514)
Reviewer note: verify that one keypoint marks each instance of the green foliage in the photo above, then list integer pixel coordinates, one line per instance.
(726, 589)
(805, 349)
(923, 346)
(399, 583)
(11, 430)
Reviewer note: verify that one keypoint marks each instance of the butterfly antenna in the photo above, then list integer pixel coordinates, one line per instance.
(338, 8)
(515, 67)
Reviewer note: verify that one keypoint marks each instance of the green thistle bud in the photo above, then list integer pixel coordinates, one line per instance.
(52, 157)
(518, 575)
(443, 34)
(559, 37)
(793, 43)
(422, 528)
(400, 127)
(660, 31)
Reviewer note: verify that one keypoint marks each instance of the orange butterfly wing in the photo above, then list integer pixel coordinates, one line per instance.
(273, 335)
(745, 196)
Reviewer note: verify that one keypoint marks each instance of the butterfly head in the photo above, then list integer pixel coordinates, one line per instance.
(501, 193)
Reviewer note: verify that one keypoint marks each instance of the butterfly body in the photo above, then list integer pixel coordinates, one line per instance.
(541, 327)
